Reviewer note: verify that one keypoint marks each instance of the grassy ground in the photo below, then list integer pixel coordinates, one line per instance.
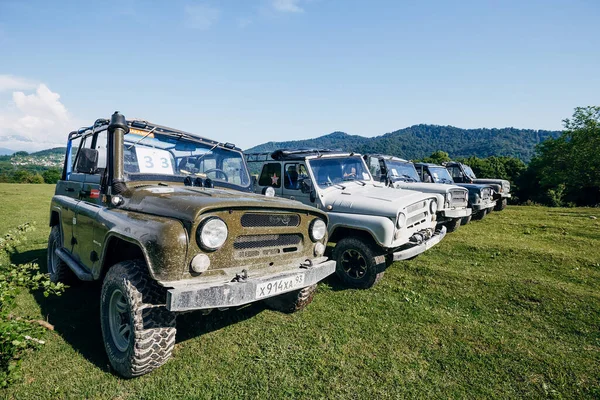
(505, 307)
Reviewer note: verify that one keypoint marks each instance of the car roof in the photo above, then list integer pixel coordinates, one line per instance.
(427, 164)
(388, 157)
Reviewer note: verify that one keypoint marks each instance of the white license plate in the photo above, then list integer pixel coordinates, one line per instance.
(277, 286)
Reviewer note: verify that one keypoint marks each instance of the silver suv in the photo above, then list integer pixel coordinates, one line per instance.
(401, 174)
(371, 225)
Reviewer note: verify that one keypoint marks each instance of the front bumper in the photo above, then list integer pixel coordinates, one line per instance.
(420, 248)
(456, 213)
(202, 296)
(483, 206)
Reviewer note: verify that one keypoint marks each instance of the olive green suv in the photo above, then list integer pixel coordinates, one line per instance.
(167, 221)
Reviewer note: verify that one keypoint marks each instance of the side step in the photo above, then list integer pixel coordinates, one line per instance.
(81, 273)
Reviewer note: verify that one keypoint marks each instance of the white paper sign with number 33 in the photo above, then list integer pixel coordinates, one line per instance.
(154, 161)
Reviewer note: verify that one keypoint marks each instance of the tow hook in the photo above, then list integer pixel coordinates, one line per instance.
(306, 264)
(241, 277)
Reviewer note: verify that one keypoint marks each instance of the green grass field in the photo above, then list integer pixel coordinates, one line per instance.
(506, 307)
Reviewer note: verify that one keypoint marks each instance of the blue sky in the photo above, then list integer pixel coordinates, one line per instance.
(250, 71)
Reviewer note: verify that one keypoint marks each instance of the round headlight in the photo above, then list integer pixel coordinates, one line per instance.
(269, 191)
(317, 230)
(212, 234)
(433, 206)
(401, 220)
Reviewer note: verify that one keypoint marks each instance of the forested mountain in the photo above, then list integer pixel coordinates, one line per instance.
(420, 141)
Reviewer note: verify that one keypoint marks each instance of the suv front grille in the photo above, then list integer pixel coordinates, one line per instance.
(251, 220)
(459, 198)
(415, 207)
(486, 193)
(257, 241)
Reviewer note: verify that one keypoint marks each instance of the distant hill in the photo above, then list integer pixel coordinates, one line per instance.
(5, 151)
(56, 151)
(420, 141)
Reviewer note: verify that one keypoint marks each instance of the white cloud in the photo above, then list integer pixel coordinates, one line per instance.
(10, 82)
(35, 120)
(287, 6)
(201, 16)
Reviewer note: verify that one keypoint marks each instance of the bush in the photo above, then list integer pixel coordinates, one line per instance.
(17, 334)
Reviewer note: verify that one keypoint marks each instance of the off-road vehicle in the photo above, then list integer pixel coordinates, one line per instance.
(167, 221)
(462, 173)
(401, 174)
(481, 200)
(371, 225)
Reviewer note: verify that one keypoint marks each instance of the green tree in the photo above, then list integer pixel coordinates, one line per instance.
(437, 157)
(567, 169)
(51, 175)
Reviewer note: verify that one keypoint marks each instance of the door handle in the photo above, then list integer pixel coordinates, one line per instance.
(69, 189)
(84, 193)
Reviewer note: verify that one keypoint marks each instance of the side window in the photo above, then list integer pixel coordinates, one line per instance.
(75, 145)
(455, 172)
(85, 143)
(291, 175)
(101, 146)
(271, 175)
(426, 176)
(374, 167)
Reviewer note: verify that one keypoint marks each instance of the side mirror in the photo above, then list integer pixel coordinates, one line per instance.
(87, 161)
(306, 185)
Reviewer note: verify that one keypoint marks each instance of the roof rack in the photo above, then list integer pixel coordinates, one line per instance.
(149, 126)
(288, 154)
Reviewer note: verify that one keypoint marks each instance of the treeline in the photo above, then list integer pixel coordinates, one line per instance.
(564, 171)
(27, 173)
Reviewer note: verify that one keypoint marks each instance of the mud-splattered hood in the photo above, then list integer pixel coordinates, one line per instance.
(370, 199)
(187, 203)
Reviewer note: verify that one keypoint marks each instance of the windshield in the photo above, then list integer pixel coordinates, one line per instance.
(440, 175)
(402, 171)
(331, 171)
(469, 172)
(172, 158)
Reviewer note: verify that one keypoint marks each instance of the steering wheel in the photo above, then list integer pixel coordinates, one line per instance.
(218, 171)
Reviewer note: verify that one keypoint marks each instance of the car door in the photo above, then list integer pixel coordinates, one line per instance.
(88, 232)
(294, 173)
(271, 175)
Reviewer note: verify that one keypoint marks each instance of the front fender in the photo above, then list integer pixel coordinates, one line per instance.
(163, 241)
(381, 229)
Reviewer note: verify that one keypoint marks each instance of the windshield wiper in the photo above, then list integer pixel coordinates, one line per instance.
(410, 178)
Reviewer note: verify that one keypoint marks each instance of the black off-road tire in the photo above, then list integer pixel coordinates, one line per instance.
(292, 301)
(501, 205)
(130, 297)
(452, 226)
(466, 220)
(479, 215)
(58, 270)
(358, 264)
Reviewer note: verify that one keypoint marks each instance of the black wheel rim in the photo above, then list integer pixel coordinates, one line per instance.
(118, 320)
(354, 264)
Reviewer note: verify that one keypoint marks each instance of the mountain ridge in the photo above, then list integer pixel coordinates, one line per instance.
(419, 141)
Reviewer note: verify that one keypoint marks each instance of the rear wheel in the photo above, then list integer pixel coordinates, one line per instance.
(58, 270)
(138, 331)
(465, 220)
(356, 263)
(501, 205)
(452, 226)
(293, 301)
